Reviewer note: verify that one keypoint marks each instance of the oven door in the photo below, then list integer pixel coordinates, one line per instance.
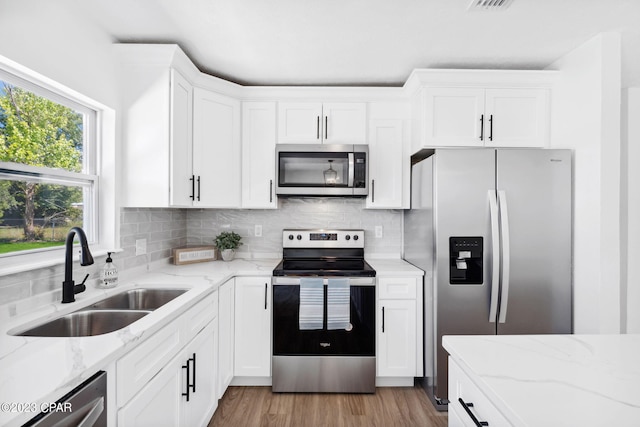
(315, 170)
(289, 340)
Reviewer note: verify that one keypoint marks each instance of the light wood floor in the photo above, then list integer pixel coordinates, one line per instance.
(389, 406)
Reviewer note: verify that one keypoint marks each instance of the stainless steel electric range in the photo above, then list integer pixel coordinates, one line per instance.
(324, 303)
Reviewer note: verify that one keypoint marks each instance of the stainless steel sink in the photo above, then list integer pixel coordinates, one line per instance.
(107, 315)
(85, 323)
(139, 299)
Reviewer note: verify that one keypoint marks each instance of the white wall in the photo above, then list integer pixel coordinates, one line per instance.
(55, 40)
(586, 118)
(631, 210)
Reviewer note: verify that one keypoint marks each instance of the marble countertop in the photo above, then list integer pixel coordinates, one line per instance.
(36, 370)
(559, 380)
(393, 267)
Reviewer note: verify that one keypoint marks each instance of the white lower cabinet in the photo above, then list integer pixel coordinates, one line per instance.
(226, 310)
(253, 327)
(468, 405)
(181, 394)
(198, 391)
(171, 378)
(399, 336)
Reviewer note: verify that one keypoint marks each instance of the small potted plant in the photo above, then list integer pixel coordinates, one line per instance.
(227, 242)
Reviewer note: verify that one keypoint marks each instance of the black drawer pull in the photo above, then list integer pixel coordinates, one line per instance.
(187, 367)
(466, 407)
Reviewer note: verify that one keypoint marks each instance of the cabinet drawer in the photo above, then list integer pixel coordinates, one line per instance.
(397, 288)
(136, 368)
(199, 316)
(461, 387)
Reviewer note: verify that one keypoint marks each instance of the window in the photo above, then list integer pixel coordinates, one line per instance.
(47, 180)
(57, 157)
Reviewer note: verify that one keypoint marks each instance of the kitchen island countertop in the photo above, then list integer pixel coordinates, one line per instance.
(558, 380)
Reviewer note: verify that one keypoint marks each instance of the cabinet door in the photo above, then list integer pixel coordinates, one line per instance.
(258, 155)
(386, 165)
(158, 403)
(253, 327)
(181, 168)
(216, 150)
(516, 117)
(225, 336)
(299, 122)
(396, 355)
(202, 403)
(453, 117)
(344, 123)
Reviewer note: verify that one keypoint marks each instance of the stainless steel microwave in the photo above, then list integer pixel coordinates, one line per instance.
(322, 170)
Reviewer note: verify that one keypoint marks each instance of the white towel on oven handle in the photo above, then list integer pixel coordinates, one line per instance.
(311, 315)
(338, 304)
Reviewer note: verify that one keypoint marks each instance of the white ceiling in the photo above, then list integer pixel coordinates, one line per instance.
(367, 42)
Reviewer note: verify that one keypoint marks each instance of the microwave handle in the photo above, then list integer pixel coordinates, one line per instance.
(351, 171)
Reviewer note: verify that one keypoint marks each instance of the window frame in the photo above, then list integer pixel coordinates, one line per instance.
(98, 169)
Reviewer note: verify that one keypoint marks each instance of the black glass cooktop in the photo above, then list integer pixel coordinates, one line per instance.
(324, 267)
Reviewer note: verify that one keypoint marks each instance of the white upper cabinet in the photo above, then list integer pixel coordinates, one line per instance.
(389, 158)
(216, 150)
(453, 116)
(329, 123)
(386, 164)
(480, 108)
(486, 118)
(517, 117)
(181, 143)
(259, 155)
(181, 155)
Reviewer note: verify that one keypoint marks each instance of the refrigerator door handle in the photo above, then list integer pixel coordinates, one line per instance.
(495, 255)
(504, 232)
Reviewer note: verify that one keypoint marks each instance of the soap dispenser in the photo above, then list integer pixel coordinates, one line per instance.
(109, 275)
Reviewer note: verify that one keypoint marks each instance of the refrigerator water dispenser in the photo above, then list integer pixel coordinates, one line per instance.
(465, 260)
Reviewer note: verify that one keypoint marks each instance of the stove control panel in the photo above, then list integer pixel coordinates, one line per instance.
(296, 238)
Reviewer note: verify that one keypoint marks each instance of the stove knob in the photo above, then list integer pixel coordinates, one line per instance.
(356, 237)
(299, 237)
(290, 236)
(347, 237)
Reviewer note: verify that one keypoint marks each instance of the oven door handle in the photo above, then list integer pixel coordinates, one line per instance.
(295, 280)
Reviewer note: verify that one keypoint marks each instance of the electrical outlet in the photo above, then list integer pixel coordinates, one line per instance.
(257, 230)
(378, 231)
(141, 246)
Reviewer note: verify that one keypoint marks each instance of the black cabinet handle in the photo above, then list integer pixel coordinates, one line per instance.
(317, 127)
(193, 386)
(193, 187)
(481, 127)
(326, 135)
(383, 320)
(187, 366)
(198, 187)
(373, 191)
(265, 295)
(491, 127)
(466, 407)
(270, 191)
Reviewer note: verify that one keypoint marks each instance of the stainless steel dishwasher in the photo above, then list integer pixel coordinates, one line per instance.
(84, 406)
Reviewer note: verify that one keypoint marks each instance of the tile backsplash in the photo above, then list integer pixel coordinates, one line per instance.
(164, 229)
(311, 212)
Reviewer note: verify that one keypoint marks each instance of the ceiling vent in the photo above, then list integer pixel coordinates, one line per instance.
(489, 4)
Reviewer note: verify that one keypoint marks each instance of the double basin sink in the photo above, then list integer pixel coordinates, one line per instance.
(107, 315)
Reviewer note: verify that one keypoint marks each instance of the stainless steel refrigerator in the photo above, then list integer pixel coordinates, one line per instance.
(493, 226)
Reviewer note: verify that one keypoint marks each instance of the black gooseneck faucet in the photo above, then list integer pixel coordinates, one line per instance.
(69, 289)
